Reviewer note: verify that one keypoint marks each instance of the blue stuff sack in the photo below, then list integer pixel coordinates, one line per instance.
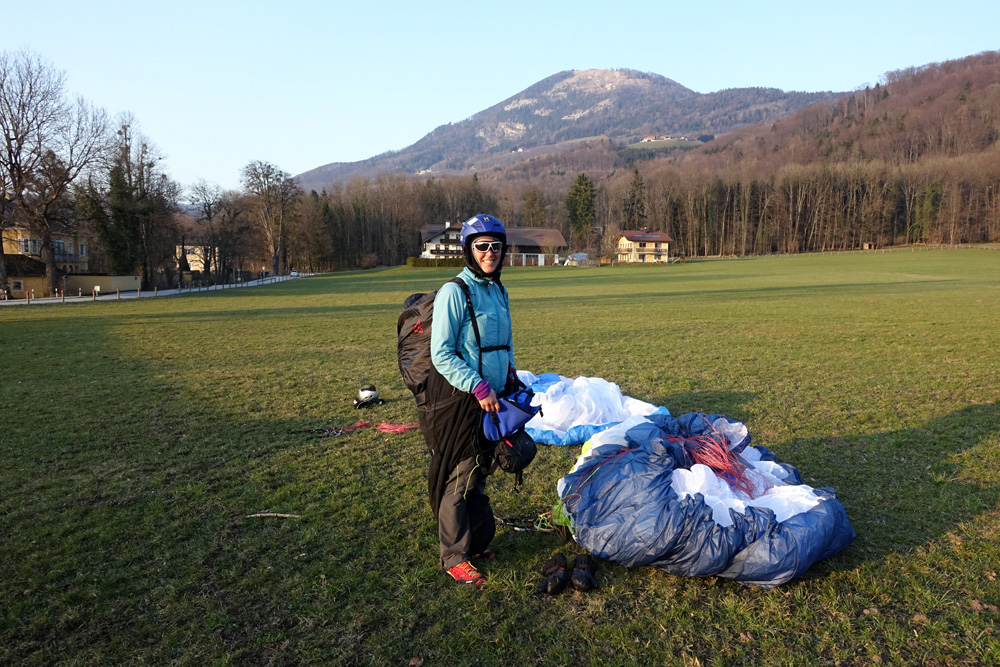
(515, 411)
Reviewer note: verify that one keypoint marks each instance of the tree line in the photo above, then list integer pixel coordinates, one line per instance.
(798, 208)
(68, 166)
(807, 208)
(910, 161)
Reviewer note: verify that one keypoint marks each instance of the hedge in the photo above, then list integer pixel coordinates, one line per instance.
(444, 261)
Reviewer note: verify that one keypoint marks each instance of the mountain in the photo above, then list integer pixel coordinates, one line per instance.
(555, 113)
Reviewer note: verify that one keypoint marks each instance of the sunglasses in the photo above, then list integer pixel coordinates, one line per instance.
(492, 246)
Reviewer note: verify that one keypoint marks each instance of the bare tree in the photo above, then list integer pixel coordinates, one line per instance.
(271, 196)
(208, 197)
(47, 143)
(7, 214)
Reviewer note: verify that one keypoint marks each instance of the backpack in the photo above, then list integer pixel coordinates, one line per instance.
(413, 344)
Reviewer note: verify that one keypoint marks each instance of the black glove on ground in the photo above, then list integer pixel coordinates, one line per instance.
(555, 575)
(584, 569)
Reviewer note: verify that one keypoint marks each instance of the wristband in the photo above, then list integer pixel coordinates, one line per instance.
(482, 390)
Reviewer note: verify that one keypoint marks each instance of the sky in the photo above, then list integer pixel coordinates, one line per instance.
(300, 83)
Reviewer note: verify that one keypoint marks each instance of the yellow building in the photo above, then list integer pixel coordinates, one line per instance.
(71, 248)
(643, 246)
(25, 276)
(195, 255)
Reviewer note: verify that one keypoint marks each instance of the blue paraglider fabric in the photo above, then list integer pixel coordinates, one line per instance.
(638, 496)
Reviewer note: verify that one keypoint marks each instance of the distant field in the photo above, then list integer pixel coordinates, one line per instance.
(138, 436)
(665, 143)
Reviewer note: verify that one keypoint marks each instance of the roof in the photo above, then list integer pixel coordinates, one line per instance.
(541, 237)
(427, 232)
(645, 236)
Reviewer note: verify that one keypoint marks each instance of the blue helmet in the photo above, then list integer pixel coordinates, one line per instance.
(480, 225)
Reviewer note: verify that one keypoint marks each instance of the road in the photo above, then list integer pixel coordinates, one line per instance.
(136, 294)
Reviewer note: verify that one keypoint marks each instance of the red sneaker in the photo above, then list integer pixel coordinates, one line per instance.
(466, 573)
(487, 555)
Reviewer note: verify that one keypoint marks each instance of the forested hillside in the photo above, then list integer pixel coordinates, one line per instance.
(912, 160)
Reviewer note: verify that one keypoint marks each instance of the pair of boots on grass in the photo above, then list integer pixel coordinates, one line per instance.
(556, 574)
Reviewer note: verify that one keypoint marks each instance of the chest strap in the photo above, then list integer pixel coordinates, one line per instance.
(475, 324)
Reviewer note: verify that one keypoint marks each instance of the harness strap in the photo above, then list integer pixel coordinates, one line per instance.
(475, 324)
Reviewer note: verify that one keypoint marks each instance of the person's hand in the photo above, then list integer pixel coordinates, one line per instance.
(490, 403)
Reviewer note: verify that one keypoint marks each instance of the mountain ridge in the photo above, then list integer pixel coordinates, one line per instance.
(622, 105)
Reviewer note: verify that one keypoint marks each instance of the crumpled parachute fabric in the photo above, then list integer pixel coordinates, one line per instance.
(638, 497)
(573, 410)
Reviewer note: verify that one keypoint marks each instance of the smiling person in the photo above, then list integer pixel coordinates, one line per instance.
(471, 369)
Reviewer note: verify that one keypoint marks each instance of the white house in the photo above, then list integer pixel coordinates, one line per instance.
(640, 245)
(527, 246)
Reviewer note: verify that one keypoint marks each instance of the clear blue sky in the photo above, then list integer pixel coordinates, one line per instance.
(302, 83)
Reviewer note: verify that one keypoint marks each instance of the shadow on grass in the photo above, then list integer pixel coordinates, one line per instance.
(729, 403)
(127, 537)
(907, 487)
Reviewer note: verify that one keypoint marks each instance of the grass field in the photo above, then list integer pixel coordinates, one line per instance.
(138, 436)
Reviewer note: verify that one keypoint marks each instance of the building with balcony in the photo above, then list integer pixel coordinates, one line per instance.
(23, 261)
(643, 246)
(69, 248)
(441, 242)
(527, 246)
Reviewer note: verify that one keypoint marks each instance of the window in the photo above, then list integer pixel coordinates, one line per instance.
(83, 250)
(16, 285)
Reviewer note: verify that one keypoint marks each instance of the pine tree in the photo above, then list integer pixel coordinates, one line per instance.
(580, 202)
(634, 205)
(533, 208)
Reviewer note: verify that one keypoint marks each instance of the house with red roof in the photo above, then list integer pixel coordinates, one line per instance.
(642, 246)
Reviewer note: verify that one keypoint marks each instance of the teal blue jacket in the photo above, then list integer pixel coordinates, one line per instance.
(453, 343)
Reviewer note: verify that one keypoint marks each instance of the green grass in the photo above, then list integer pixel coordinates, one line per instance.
(137, 437)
